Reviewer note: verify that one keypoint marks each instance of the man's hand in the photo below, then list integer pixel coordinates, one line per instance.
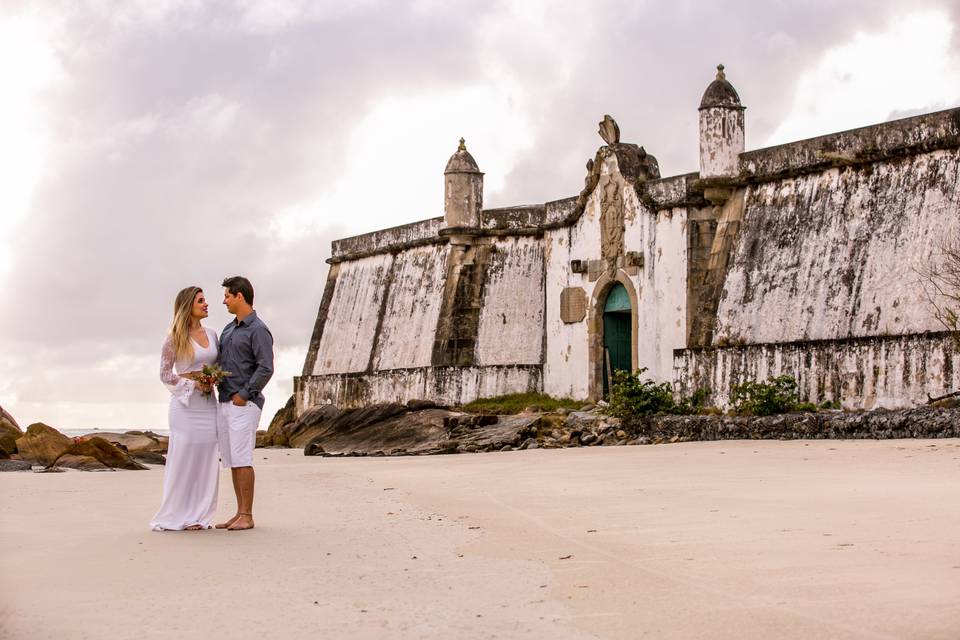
(237, 400)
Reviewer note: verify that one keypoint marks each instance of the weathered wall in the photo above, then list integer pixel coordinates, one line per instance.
(353, 315)
(446, 385)
(511, 320)
(861, 373)
(412, 307)
(567, 357)
(830, 255)
(662, 287)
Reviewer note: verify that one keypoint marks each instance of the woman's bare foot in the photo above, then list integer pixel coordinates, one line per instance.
(193, 527)
(226, 525)
(242, 522)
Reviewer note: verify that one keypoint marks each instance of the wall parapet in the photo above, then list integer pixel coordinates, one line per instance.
(885, 141)
(387, 240)
(888, 372)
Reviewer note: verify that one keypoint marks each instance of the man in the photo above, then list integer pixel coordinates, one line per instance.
(246, 350)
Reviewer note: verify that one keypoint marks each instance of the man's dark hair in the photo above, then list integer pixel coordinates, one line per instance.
(239, 284)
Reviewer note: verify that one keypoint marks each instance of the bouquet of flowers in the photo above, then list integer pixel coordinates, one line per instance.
(209, 377)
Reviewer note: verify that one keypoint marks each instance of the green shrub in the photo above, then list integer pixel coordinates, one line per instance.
(631, 396)
(517, 402)
(776, 395)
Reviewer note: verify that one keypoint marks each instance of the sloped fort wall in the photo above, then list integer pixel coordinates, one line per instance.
(802, 259)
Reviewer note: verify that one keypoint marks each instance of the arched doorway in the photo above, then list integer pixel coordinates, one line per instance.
(617, 334)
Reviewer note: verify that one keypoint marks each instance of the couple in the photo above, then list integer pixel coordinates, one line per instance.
(202, 429)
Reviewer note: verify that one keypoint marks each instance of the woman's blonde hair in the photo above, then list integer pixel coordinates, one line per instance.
(180, 329)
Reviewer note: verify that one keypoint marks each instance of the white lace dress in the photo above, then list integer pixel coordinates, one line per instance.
(191, 475)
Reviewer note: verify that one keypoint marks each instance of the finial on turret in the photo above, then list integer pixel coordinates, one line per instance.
(463, 145)
(609, 130)
(720, 74)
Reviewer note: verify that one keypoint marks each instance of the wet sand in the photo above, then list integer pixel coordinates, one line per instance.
(739, 539)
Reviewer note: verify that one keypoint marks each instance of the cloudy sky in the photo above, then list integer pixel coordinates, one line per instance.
(147, 145)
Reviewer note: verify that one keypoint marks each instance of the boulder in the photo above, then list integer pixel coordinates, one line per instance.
(263, 440)
(14, 465)
(163, 442)
(131, 442)
(42, 444)
(507, 430)
(107, 453)
(583, 420)
(5, 415)
(149, 457)
(282, 423)
(9, 434)
(379, 428)
(328, 419)
(81, 463)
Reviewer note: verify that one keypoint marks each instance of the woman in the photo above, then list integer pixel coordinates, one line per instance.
(191, 475)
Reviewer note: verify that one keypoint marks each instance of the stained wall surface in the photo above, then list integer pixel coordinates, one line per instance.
(353, 316)
(412, 307)
(835, 254)
(511, 321)
(860, 373)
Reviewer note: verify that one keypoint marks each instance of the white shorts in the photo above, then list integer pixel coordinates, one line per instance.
(237, 433)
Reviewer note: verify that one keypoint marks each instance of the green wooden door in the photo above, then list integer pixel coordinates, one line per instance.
(617, 334)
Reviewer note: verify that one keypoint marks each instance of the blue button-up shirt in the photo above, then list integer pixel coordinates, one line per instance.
(246, 351)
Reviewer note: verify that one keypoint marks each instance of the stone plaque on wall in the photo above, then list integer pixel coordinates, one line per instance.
(573, 304)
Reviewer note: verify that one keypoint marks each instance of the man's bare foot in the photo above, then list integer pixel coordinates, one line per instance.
(242, 522)
(226, 525)
(193, 527)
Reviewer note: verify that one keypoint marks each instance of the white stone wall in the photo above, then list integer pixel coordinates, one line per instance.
(660, 286)
(348, 336)
(446, 385)
(511, 321)
(835, 254)
(888, 372)
(412, 308)
(663, 291)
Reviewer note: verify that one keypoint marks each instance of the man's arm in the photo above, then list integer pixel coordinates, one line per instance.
(262, 344)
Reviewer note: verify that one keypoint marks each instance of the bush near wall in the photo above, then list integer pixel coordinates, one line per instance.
(774, 396)
(632, 395)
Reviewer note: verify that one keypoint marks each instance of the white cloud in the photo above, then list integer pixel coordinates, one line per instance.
(393, 163)
(28, 68)
(907, 67)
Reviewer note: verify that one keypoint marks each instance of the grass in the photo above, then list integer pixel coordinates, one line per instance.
(517, 402)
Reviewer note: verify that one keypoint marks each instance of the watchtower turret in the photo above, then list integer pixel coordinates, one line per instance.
(463, 194)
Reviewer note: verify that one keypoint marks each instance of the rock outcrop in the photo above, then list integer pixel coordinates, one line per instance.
(132, 441)
(277, 432)
(81, 463)
(393, 429)
(42, 444)
(9, 434)
(14, 465)
(108, 454)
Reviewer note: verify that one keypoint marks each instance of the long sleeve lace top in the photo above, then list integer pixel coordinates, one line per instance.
(182, 388)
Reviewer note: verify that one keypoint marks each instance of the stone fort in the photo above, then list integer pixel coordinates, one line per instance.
(799, 259)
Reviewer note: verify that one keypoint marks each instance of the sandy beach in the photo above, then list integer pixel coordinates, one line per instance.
(736, 539)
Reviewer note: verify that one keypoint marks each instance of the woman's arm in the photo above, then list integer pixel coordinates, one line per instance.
(179, 386)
